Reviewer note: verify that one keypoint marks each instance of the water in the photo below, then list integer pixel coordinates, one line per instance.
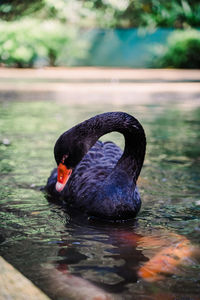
(46, 244)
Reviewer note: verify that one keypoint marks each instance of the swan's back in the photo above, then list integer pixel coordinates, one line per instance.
(91, 172)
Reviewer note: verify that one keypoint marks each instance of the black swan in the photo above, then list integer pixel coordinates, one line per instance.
(97, 177)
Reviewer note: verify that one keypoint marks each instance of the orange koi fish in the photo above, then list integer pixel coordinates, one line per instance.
(167, 259)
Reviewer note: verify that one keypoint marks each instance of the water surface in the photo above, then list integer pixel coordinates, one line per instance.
(41, 239)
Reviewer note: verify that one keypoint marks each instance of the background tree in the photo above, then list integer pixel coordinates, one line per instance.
(108, 13)
(15, 9)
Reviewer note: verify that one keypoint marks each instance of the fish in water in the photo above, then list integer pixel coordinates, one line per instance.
(166, 261)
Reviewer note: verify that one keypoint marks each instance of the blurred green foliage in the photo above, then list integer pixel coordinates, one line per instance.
(47, 32)
(108, 13)
(15, 9)
(182, 50)
(24, 43)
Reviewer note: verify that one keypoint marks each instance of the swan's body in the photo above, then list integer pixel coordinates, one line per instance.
(103, 180)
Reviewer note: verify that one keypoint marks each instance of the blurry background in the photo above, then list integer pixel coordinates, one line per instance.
(120, 33)
(56, 58)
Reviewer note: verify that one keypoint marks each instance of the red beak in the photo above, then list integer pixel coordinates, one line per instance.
(63, 176)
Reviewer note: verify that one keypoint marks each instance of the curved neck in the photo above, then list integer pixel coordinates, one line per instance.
(91, 130)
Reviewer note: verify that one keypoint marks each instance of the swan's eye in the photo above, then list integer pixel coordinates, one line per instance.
(64, 157)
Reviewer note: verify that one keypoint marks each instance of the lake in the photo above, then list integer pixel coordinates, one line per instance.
(44, 242)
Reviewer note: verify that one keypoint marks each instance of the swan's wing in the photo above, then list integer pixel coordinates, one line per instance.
(100, 159)
(93, 169)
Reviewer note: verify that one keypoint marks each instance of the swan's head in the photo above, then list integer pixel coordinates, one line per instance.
(68, 152)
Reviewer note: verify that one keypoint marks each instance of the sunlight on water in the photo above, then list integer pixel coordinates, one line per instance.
(42, 241)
